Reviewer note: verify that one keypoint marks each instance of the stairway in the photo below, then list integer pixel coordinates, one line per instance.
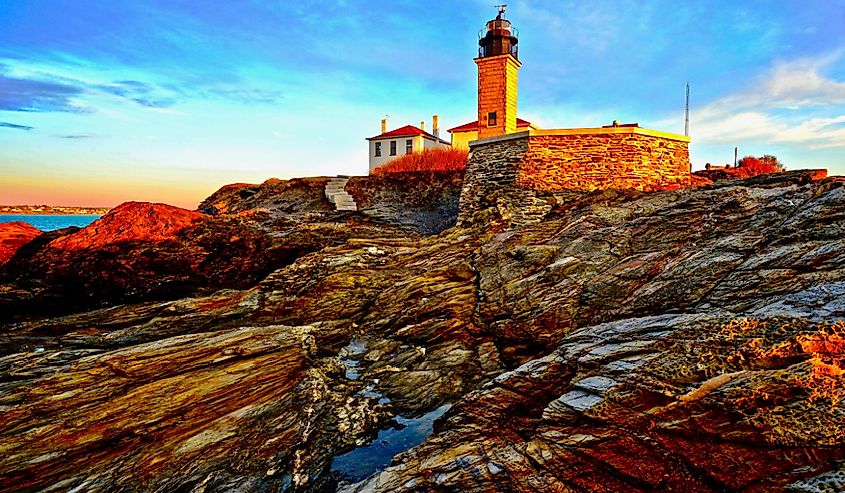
(337, 195)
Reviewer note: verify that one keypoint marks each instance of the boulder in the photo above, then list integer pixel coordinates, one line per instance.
(13, 236)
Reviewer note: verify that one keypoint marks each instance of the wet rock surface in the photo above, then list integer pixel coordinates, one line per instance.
(679, 341)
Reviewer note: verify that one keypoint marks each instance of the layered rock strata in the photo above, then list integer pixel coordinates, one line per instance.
(684, 340)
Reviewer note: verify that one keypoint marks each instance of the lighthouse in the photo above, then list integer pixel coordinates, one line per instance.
(498, 66)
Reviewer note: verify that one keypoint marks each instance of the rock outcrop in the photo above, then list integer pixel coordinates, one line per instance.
(685, 402)
(685, 340)
(141, 251)
(425, 202)
(13, 236)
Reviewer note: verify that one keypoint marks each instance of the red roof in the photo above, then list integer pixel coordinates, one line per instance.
(471, 126)
(406, 131)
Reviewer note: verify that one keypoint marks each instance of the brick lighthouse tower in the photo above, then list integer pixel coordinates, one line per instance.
(498, 65)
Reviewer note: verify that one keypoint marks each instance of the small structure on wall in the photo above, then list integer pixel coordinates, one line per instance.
(466, 133)
(389, 145)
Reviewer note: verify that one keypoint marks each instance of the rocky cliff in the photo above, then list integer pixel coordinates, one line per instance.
(423, 202)
(686, 340)
(140, 251)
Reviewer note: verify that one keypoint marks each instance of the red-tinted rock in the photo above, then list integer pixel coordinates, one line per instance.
(143, 251)
(131, 222)
(13, 236)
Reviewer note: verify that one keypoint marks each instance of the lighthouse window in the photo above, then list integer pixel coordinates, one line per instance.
(491, 119)
(409, 146)
(392, 147)
(378, 149)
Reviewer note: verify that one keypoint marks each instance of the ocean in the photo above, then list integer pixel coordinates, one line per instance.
(49, 222)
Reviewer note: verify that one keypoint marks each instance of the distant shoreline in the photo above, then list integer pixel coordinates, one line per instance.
(7, 213)
(17, 210)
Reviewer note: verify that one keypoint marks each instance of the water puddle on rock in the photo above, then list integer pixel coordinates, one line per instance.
(353, 350)
(352, 370)
(362, 462)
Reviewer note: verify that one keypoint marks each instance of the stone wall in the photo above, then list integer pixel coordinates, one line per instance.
(521, 174)
(627, 159)
(490, 181)
(491, 169)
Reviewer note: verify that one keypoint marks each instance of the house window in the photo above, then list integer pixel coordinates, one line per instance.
(392, 147)
(491, 119)
(378, 149)
(409, 146)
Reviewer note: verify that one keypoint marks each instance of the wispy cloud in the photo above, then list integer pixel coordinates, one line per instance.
(142, 93)
(47, 88)
(792, 102)
(18, 94)
(795, 84)
(15, 126)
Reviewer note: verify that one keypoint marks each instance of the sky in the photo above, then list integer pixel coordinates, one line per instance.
(168, 100)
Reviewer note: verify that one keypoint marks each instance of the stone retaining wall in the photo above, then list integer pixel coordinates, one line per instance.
(518, 173)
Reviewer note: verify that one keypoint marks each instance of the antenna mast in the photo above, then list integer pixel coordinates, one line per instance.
(686, 114)
(501, 8)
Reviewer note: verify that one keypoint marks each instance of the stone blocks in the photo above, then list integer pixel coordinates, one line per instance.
(497, 92)
(520, 173)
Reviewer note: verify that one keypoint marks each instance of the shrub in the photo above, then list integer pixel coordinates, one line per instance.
(752, 166)
(773, 162)
(428, 160)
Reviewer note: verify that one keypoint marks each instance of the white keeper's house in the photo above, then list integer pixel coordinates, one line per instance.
(389, 145)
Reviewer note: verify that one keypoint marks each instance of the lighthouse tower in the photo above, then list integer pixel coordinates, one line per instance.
(498, 65)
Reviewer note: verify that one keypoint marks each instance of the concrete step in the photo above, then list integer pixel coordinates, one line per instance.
(336, 194)
(330, 194)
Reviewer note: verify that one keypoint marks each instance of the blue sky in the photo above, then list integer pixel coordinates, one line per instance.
(102, 102)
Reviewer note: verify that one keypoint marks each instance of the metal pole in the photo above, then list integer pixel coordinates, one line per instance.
(686, 114)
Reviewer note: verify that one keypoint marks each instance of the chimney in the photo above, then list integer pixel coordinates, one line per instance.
(435, 126)
(384, 125)
(422, 125)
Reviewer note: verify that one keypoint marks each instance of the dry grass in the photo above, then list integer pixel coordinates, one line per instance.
(429, 160)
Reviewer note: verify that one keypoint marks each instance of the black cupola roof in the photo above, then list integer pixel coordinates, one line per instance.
(499, 37)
